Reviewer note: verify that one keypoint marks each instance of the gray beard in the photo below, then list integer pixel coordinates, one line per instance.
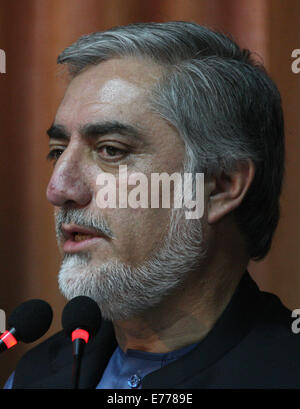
(123, 291)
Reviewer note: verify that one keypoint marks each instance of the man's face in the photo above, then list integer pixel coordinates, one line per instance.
(104, 121)
(114, 91)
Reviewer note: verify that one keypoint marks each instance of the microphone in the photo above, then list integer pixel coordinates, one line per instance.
(27, 323)
(81, 320)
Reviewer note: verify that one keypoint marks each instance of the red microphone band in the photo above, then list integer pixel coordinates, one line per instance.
(80, 333)
(8, 339)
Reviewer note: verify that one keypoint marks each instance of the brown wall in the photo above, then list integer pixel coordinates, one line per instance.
(33, 32)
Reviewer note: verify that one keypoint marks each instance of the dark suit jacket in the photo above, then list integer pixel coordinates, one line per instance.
(250, 346)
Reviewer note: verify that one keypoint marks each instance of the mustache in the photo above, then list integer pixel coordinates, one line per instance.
(82, 218)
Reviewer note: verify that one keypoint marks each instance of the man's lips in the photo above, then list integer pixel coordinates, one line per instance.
(78, 237)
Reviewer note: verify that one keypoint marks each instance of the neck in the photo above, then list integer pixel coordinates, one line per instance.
(185, 317)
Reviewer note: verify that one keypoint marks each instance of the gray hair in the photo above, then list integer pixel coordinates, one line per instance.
(224, 105)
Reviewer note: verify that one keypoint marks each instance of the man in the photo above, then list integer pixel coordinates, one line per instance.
(180, 309)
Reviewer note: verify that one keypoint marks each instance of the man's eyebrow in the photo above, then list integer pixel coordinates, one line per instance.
(109, 127)
(57, 132)
(96, 129)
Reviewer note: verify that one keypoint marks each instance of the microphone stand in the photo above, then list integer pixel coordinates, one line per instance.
(78, 347)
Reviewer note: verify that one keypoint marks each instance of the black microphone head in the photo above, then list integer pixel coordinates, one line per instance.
(31, 320)
(81, 312)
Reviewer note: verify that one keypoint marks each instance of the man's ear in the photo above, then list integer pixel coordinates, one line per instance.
(227, 190)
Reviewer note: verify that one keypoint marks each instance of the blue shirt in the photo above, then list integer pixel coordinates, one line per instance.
(127, 370)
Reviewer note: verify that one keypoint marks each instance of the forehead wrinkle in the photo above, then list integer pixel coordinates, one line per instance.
(91, 106)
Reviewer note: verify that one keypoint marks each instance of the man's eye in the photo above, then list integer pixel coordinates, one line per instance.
(108, 151)
(54, 154)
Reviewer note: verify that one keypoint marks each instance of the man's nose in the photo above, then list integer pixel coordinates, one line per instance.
(68, 183)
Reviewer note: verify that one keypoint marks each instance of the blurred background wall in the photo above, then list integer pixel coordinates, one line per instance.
(33, 33)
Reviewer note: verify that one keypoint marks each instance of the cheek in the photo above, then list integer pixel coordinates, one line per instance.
(140, 220)
(138, 232)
